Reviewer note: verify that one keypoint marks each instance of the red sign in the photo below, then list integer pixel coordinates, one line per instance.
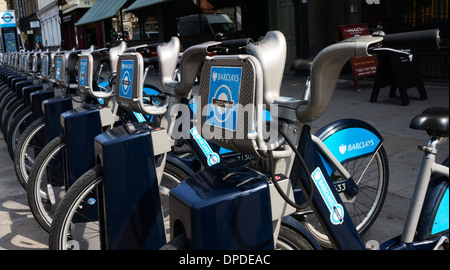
(361, 66)
(364, 66)
(349, 31)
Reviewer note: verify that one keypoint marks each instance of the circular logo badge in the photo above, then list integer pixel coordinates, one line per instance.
(213, 158)
(221, 113)
(7, 17)
(91, 201)
(126, 82)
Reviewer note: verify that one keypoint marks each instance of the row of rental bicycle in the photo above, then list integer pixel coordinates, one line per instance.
(215, 158)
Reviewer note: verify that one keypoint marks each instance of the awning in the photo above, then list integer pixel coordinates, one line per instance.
(180, 7)
(224, 3)
(101, 10)
(144, 3)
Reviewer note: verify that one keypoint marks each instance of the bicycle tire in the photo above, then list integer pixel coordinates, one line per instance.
(288, 239)
(3, 90)
(79, 194)
(380, 192)
(18, 125)
(24, 159)
(13, 110)
(43, 202)
(5, 94)
(7, 102)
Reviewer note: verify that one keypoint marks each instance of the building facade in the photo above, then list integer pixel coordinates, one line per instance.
(309, 25)
(3, 5)
(28, 22)
(80, 37)
(50, 22)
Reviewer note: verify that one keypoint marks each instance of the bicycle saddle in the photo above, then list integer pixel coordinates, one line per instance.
(433, 120)
(301, 65)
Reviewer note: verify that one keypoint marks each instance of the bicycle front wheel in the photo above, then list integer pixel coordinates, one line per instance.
(28, 147)
(371, 174)
(75, 224)
(45, 187)
(18, 125)
(288, 239)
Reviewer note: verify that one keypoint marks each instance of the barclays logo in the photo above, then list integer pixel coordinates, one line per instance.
(355, 146)
(125, 66)
(343, 149)
(225, 77)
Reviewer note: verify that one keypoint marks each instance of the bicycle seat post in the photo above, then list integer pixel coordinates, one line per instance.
(435, 122)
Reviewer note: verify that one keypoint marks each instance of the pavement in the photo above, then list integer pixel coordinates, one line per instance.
(19, 230)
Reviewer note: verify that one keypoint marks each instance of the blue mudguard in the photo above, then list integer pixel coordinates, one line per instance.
(349, 139)
(435, 213)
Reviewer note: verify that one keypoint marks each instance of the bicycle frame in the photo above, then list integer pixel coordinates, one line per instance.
(427, 169)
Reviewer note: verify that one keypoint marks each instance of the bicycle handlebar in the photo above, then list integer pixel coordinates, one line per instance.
(143, 48)
(104, 60)
(425, 39)
(194, 56)
(328, 64)
(190, 63)
(231, 46)
(301, 65)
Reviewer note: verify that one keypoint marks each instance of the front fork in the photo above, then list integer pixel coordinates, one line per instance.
(326, 203)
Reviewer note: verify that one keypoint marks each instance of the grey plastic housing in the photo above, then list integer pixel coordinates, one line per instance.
(234, 128)
(271, 53)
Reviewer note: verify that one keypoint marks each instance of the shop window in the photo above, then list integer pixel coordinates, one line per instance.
(410, 15)
(150, 29)
(125, 27)
(215, 24)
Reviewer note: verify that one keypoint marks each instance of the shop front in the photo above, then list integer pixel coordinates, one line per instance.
(30, 26)
(80, 37)
(200, 20)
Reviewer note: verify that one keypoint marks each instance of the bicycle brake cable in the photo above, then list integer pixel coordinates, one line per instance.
(277, 186)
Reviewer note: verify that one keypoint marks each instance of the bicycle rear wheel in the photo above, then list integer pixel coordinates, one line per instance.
(75, 224)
